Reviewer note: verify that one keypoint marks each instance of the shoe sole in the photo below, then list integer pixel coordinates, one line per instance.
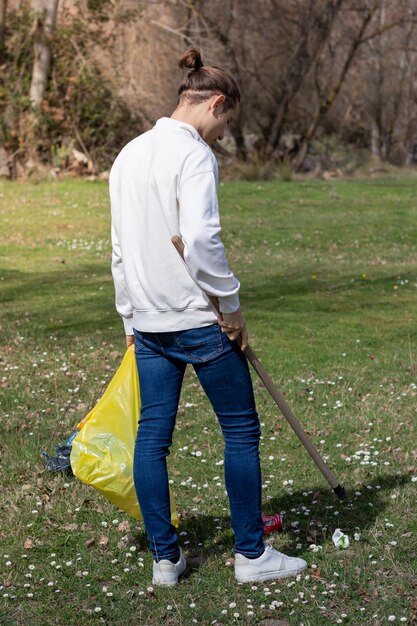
(164, 583)
(270, 575)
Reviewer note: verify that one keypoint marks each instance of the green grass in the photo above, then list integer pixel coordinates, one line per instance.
(329, 290)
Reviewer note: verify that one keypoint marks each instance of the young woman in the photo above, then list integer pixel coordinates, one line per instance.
(164, 182)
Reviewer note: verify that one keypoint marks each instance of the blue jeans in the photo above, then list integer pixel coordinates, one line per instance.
(223, 372)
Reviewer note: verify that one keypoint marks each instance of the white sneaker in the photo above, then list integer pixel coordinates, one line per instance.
(269, 566)
(165, 573)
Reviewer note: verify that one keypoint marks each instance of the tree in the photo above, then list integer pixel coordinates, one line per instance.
(328, 85)
(306, 69)
(3, 12)
(45, 12)
(390, 60)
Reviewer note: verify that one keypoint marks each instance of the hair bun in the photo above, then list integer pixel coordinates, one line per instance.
(191, 59)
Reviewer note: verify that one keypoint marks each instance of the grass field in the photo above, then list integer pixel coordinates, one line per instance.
(329, 290)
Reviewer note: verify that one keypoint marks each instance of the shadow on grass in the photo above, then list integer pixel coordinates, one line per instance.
(356, 512)
(297, 292)
(77, 302)
(65, 302)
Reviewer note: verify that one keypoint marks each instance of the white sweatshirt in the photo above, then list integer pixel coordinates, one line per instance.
(163, 183)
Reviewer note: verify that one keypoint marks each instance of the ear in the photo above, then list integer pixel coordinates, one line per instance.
(216, 101)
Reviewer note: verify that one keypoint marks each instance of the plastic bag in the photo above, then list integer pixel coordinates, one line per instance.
(60, 462)
(102, 452)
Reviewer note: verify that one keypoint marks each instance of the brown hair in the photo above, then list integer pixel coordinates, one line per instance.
(203, 81)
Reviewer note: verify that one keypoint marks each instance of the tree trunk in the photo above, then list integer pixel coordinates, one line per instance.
(411, 156)
(3, 9)
(377, 113)
(4, 163)
(239, 138)
(403, 77)
(45, 20)
(375, 140)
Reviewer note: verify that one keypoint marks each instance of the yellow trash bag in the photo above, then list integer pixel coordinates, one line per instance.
(102, 452)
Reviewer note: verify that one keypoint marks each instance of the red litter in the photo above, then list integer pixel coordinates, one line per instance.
(272, 523)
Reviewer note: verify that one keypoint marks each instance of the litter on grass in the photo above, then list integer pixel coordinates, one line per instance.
(340, 540)
(61, 460)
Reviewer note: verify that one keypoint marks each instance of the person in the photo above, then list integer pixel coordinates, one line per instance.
(164, 183)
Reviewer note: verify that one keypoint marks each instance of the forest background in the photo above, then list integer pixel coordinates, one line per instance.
(327, 85)
(329, 284)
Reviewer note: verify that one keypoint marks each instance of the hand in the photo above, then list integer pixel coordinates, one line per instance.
(234, 326)
(130, 340)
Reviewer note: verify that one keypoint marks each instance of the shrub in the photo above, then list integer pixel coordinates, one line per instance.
(81, 109)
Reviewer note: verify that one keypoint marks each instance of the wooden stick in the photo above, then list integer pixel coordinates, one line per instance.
(280, 401)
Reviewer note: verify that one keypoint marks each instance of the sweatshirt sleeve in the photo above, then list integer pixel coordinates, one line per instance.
(123, 306)
(200, 230)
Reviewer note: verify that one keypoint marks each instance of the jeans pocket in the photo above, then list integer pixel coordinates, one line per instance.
(200, 344)
(138, 341)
